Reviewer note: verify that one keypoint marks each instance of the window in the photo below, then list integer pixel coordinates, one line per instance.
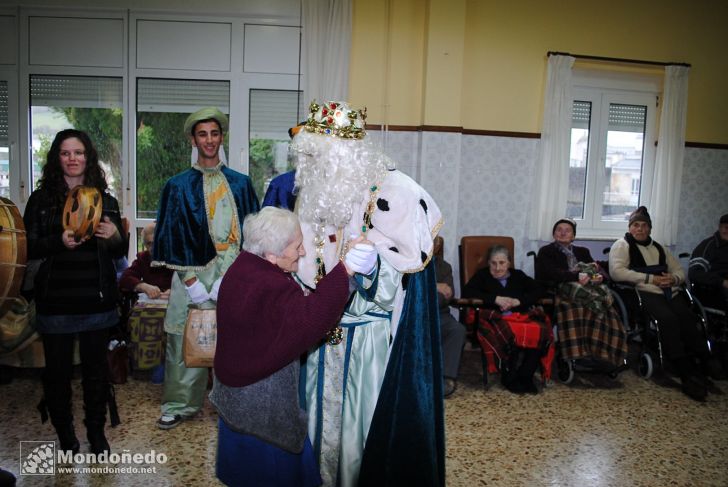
(90, 104)
(272, 113)
(612, 153)
(4, 142)
(162, 150)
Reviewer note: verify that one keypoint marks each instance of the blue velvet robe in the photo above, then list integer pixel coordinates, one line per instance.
(280, 191)
(396, 453)
(181, 238)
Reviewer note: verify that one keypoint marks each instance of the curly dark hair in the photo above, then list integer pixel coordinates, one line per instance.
(52, 179)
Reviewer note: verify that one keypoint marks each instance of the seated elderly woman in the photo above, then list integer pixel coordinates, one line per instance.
(587, 323)
(513, 295)
(141, 277)
(265, 321)
(146, 318)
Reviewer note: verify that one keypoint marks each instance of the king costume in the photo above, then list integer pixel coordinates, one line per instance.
(198, 234)
(374, 392)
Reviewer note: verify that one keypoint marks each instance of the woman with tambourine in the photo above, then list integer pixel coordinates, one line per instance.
(74, 227)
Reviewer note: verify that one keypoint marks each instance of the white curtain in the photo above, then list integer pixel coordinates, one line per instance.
(665, 198)
(325, 50)
(551, 180)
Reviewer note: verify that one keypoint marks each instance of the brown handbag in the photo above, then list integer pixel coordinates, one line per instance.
(200, 338)
(118, 358)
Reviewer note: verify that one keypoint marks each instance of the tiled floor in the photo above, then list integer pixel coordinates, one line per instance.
(596, 432)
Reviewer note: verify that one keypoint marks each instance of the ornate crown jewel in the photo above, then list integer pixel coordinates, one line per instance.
(336, 118)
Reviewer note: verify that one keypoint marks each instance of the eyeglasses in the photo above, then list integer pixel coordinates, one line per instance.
(77, 153)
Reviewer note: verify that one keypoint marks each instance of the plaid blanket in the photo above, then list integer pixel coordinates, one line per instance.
(498, 336)
(596, 297)
(584, 333)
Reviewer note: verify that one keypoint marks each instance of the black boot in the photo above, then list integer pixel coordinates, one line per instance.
(712, 367)
(509, 373)
(531, 361)
(693, 381)
(96, 438)
(95, 400)
(67, 437)
(7, 479)
(57, 403)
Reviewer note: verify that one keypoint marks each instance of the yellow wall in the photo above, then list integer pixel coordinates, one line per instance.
(498, 57)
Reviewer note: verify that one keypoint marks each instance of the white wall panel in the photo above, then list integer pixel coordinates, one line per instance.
(66, 41)
(8, 40)
(271, 49)
(196, 46)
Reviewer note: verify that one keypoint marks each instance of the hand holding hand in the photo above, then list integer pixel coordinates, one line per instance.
(361, 258)
(583, 278)
(152, 291)
(444, 289)
(197, 292)
(505, 303)
(106, 229)
(215, 289)
(664, 280)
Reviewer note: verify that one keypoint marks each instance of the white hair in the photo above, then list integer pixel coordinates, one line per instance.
(269, 231)
(148, 230)
(332, 174)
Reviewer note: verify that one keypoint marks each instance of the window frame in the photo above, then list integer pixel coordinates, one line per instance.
(602, 88)
(10, 77)
(84, 104)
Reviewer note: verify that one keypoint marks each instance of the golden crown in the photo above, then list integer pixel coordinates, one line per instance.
(336, 118)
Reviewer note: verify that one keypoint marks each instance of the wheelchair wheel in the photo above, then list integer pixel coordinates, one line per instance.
(622, 309)
(565, 371)
(646, 366)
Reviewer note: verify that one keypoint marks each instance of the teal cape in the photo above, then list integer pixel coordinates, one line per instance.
(182, 238)
(399, 451)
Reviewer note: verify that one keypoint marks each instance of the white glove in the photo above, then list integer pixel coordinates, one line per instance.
(362, 258)
(197, 292)
(215, 288)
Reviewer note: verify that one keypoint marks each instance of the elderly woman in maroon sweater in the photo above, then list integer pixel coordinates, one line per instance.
(141, 277)
(266, 320)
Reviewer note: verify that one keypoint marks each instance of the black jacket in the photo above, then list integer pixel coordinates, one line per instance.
(484, 286)
(709, 262)
(79, 281)
(552, 266)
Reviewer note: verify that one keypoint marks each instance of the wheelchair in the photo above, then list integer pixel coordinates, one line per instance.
(567, 367)
(712, 305)
(644, 328)
(716, 322)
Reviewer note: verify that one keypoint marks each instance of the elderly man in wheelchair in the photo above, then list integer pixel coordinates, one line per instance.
(657, 277)
(708, 269)
(708, 274)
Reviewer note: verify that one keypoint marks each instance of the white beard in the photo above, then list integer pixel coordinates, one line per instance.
(333, 179)
(333, 175)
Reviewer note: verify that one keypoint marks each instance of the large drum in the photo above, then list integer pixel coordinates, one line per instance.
(13, 253)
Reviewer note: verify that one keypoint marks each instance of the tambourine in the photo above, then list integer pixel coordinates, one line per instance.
(82, 212)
